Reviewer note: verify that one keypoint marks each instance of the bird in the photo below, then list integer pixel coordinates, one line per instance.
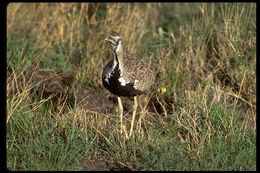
(126, 76)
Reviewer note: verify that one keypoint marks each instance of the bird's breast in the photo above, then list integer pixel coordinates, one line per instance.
(116, 83)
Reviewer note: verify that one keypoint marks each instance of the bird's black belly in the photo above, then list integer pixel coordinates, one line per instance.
(114, 85)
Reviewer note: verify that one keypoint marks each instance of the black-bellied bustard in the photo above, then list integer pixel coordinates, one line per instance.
(126, 76)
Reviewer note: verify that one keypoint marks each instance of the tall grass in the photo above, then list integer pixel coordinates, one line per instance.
(199, 115)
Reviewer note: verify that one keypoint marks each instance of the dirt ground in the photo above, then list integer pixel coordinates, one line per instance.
(101, 163)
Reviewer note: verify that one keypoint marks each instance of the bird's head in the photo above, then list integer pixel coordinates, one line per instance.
(115, 40)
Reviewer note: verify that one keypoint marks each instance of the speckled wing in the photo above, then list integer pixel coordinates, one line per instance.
(139, 71)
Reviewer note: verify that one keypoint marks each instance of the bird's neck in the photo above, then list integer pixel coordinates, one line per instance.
(118, 56)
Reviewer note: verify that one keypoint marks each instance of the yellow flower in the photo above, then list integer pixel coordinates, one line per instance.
(162, 90)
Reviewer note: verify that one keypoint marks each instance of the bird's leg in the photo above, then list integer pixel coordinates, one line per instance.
(133, 116)
(120, 111)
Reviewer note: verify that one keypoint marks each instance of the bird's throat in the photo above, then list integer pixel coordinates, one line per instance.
(118, 56)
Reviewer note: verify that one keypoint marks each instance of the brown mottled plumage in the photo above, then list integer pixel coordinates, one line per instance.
(135, 69)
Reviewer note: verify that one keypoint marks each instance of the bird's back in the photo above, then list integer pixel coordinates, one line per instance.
(140, 70)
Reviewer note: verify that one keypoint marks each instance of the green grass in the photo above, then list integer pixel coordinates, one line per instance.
(204, 56)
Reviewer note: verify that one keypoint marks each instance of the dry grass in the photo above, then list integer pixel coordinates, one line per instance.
(202, 105)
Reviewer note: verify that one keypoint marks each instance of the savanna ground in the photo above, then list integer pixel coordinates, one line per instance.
(199, 115)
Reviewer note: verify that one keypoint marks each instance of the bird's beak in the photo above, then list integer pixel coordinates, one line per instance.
(110, 40)
(107, 39)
